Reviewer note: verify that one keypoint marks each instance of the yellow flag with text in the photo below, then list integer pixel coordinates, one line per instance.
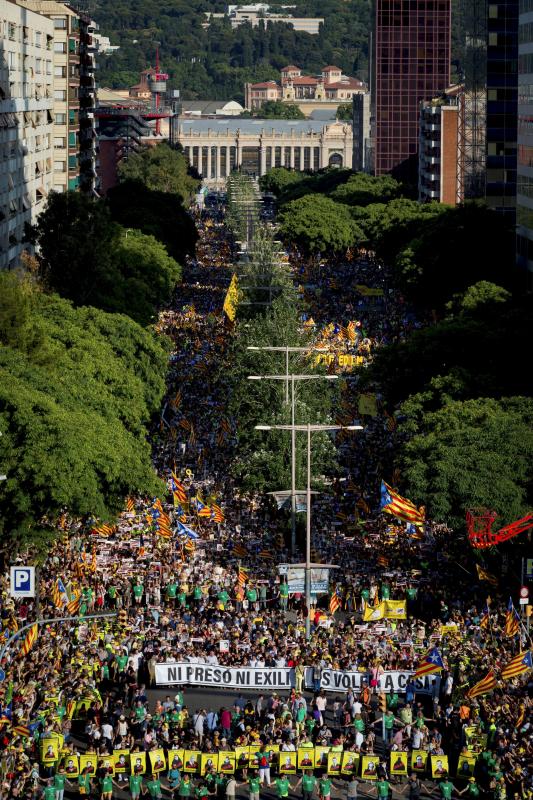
(395, 609)
(374, 613)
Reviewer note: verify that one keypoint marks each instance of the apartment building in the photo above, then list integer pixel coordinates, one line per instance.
(26, 124)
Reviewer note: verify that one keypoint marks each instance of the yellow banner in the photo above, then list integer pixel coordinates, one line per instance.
(368, 291)
(395, 609)
(368, 405)
(374, 613)
(232, 299)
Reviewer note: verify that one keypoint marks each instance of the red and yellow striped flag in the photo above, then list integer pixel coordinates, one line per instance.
(242, 577)
(130, 504)
(486, 684)
(29, 639)
(334, 603)
(517, 666)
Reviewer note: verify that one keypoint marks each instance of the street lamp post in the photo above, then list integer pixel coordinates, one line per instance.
(309, 429)
(291, 379)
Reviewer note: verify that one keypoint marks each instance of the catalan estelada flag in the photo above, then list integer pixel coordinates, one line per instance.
(483, 575)
(517, 666)
(29, 640)
(393, 503)
(334, 602)
(218, 514)
(59, 593)
(432, 662)
(73, 605)
(485, 685)
(512, 620)
(177, 489)
(485, 617)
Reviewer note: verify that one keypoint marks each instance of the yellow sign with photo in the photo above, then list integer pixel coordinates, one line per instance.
(398, 763)
(208, 761)
(253, 750)
(369, 768)
(137, 763)
(191, 760)
(272, 752)
(439, 766)
(419, 760)
(175, 759)
(466, 766)
(120, 757)
(350, 763)
(49, 751)
(242, 757)
(226, 762)
(321, 757)
(88, 763)
(157, 760)
(71, 766)
(107, 763)
(287, 763)
(306, 758)
(334, 763)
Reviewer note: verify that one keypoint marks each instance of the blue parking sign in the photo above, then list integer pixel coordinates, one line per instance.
(22, 582)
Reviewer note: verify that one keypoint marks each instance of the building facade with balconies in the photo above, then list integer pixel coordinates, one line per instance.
(438, 162)
(26, 124)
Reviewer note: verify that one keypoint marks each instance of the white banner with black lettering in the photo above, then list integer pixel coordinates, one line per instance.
(224, 677)
(331, 680)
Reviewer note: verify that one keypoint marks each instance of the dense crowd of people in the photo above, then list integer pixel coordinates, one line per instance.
(76, 711)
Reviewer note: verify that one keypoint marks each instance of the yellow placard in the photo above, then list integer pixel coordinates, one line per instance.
(120, 757)
(321, 757)
(287, 763)
(88, 763)
(398, 763)
(368, 405)
(439, 766)
(350, 763)
(137, 763)
(71, 765)
(334, 763)
(369, 768)
(374, 613)
(306, 758)
(419, 760)
(157, 760)
(395, 609)
(208, 762)
(191, 760)
(226, 762)
(175, 759)
(466, 766)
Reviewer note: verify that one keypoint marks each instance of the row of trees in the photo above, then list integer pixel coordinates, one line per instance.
(82, 373)
(270, 316)
(457, 385)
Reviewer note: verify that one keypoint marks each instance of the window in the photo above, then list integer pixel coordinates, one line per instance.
(61, 119)
(73, 162)
(60, 166)
(12, 31)
(60, 47)
(59, 142)
(60, 94)
(38, 38)
(72, 45)
(59, 72)
(72, 139)
(38, 66)
(60, 24)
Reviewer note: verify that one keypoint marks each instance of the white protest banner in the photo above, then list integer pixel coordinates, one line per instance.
(333, 680)
(224, 677)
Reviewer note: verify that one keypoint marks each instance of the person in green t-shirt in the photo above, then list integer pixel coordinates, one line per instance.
(308, 784)
(185, 787)
(59, 783)
(254, 786)
(446, 789)
(471, 789)
(107, 787)
(182, 599)
(84, 782)
(154, 787)
(197, 594)
(383, 788)
(122, 662)
(138, 591)
(49, 792)
(201, 792)
(136, 784)
(324, 787)
(223, 598)
(282, 786)
(171, 589)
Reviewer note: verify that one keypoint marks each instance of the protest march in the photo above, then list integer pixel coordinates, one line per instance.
(182, 666)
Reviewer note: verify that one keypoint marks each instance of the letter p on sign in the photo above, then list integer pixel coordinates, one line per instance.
(22, 582)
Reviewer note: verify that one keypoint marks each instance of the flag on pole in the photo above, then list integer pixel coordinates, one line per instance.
(483, 575)
(393, 503)
(485, 685)
(335, 602)
(130, 504)
(231, 301)
(29, 640)
(512, 620)
(432, 662)
(59, 594)
(184, 530)
(218, 514)
(239, 551)
(242, 576)
(177, 489)
(73, 605)
(485, 617)
(517, 666)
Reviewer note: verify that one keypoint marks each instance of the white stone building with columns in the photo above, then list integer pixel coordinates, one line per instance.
(217, 146)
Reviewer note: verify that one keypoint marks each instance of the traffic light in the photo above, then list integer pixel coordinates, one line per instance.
(382, 702)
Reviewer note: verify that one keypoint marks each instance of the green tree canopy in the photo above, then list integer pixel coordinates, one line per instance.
(345, 112)
(74, 405)
(362, 190)
(277, 179)
(472, 454)
(161, 169)
(317, 224)
(275, 109)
